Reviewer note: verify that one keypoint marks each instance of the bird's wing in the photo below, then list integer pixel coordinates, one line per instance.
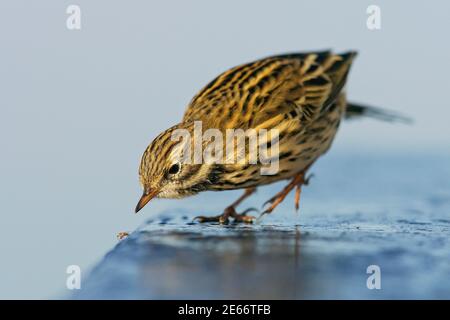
(300, 85)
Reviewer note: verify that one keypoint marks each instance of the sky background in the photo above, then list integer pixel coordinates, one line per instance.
(77, 108)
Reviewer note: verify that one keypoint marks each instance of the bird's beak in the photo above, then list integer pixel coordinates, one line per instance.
(146, 197)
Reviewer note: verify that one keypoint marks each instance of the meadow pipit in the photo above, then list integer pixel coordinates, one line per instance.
(299, 95)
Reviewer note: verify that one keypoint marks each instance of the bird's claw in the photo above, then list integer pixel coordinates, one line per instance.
(249, 210)
(271, 200)
(243, 217)
(229, 212)
(221, 219)
(268, 210)
(308, 179)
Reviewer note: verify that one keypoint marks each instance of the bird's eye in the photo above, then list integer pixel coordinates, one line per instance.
(175, 168)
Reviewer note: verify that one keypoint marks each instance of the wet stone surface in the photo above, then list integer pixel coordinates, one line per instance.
(394, 222)
(174, 259)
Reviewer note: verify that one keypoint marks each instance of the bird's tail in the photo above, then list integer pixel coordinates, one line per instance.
(355, 110)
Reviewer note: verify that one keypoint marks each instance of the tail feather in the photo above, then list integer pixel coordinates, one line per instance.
(357, 110)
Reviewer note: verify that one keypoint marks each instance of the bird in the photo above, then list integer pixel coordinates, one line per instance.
(300, 95)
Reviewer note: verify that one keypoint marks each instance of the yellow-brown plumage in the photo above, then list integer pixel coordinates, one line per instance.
(301, 95)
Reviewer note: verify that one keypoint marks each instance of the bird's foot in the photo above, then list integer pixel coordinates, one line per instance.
(275, 201)
(297, 182)
(229, 212)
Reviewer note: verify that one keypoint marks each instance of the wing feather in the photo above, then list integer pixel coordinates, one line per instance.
(301, 85)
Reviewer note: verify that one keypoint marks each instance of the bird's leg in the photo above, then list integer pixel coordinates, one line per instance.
(298, 190)
(230, 211)
(297, 183)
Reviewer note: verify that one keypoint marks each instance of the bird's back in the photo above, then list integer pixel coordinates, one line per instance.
(264, 92)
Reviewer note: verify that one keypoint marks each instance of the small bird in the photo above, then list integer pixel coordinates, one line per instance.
(300, 95)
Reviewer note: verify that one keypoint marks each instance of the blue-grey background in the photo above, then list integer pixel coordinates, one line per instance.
(79, 107)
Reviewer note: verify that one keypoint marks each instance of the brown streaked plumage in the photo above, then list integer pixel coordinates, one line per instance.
(300, 94)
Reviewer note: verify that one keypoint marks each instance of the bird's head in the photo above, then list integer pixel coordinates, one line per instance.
(167, 169)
